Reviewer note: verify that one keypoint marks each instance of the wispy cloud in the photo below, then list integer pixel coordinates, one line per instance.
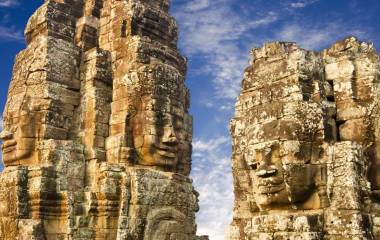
(317, 37)
(197, 5)
(204, 146)
(302, 4)
(10, 34)
(212, 31)
(8, 3)
(213, 180)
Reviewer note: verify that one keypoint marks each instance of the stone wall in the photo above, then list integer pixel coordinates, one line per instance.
(305, 144)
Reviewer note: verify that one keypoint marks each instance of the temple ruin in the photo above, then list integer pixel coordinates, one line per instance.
(306, 156)
(97, 134)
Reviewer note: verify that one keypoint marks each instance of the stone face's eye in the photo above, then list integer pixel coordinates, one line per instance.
(254, 165)
(160, 118)
(178, 123)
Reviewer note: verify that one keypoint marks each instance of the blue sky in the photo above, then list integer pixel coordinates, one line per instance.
(216, 36)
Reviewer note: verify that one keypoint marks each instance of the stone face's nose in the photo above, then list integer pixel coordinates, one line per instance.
(5, 135)
(169, 136)
(267, 168)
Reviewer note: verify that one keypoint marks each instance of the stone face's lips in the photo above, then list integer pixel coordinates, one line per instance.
(270, 185)
(171, 153)
(262, 173)
(270, 189)
(9, 145)
(171, 148)
(167, 150)
(270, 181)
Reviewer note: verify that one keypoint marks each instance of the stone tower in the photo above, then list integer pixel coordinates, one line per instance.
(97, 134)
(306, 144)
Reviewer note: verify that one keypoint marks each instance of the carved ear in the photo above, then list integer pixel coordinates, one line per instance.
(26, 105)
(129, 126)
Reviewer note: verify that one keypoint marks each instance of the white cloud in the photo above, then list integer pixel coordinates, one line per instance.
(298, 5)
(10, 34)
(197, 5)
(317, 37)
(213, 180)
(212, 31)
(302, 4)
(8, 3)
(307, 38)
(202, 146)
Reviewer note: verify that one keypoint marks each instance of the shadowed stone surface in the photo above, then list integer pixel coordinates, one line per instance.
(306, 144)
(97, 134)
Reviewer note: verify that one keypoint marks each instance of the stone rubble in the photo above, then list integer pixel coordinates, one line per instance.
(97, 134)
(306, 144)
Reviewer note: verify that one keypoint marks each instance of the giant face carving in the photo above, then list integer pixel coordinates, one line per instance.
(158, 133)
(278, 155)
(160, 124)
(280, 173)
(19, 135)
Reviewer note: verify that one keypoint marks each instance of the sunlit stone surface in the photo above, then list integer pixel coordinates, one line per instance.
(306, 144)
(97, 134)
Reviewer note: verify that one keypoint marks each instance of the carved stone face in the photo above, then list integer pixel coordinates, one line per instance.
(158, 128)
(167, 224)
(281, 172)
(158, 133)
(19, 138)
